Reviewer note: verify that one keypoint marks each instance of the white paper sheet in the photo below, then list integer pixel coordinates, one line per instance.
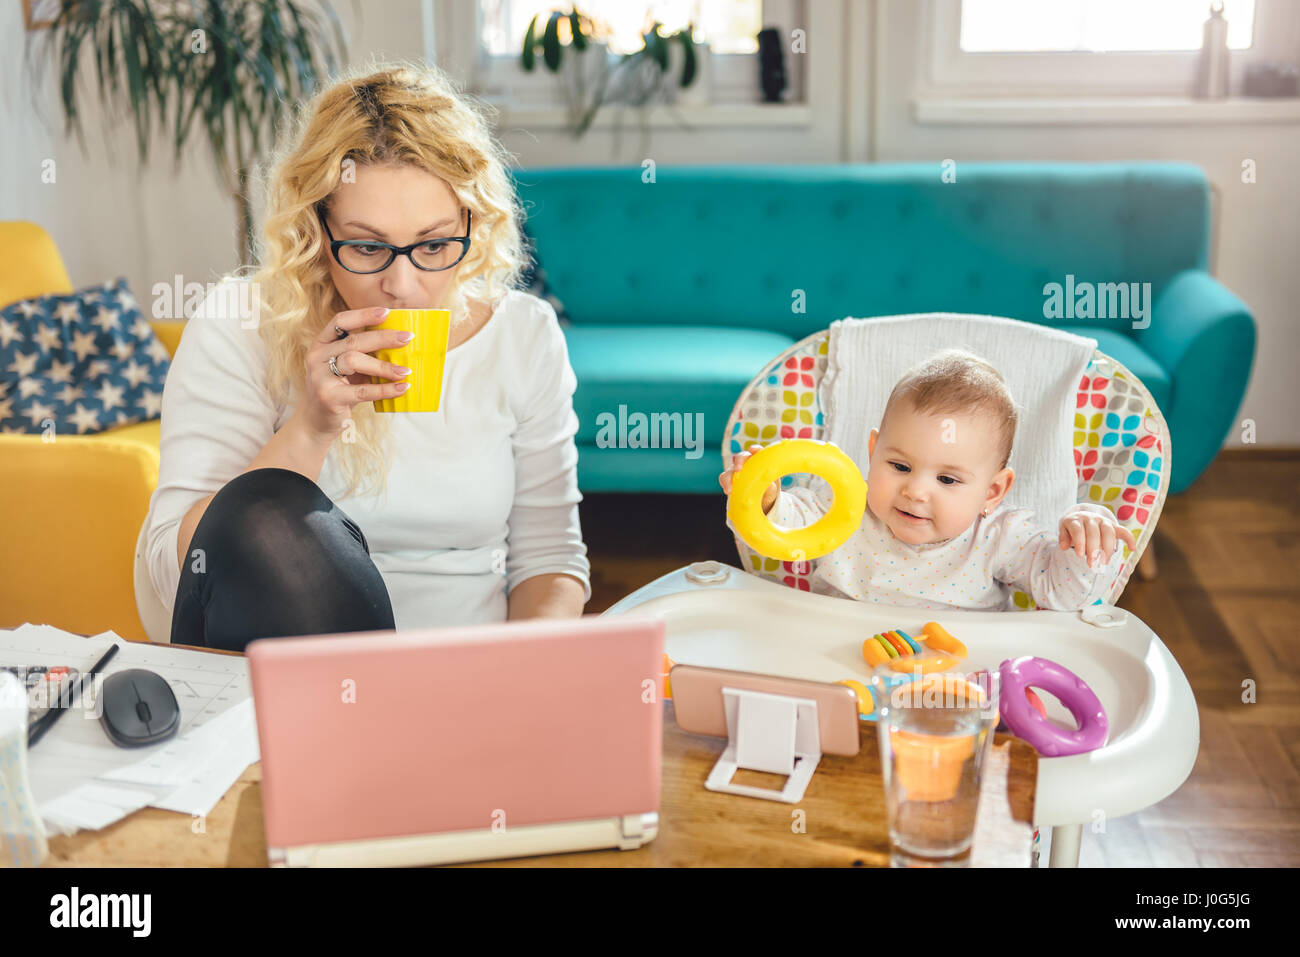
(80, 779)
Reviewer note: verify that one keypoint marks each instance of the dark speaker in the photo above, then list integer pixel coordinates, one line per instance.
(771, 64)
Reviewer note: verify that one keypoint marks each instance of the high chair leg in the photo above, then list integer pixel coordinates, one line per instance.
(1066, 839)
(1146, 566)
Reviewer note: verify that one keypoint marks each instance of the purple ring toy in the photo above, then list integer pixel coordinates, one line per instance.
(1071, 690)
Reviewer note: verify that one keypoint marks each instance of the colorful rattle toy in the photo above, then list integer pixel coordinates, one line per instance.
(897, 644)
(936, 650)
(1071, 690)
(788, 457)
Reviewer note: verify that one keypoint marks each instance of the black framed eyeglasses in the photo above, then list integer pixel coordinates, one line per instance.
(365, 256)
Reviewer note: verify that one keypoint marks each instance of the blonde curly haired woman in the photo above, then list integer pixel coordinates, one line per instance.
(286, 505)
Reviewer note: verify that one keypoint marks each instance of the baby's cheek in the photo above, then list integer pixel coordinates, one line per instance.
(879, 485)
(877, 497)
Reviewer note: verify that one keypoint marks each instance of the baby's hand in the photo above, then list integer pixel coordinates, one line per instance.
(1092, 535)
(737, 463)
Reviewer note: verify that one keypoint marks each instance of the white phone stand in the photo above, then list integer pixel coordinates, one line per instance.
(768, 732)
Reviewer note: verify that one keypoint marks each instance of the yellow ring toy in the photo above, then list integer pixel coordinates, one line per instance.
(788, 457)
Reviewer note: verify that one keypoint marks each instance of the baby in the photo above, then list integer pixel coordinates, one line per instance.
(935, 534)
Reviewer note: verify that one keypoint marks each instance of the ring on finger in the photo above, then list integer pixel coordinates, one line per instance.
(335, 368)
(341, 333)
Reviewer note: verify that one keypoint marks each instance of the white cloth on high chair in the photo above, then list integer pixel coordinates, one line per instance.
(1042, 367)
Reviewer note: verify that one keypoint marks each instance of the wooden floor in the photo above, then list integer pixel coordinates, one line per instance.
(1226, 601)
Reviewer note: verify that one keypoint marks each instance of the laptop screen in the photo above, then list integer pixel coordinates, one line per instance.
(373, 735)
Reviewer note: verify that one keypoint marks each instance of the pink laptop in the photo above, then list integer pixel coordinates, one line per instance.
(457, 744)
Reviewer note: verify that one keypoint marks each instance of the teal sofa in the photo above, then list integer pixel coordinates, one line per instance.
(679, 291)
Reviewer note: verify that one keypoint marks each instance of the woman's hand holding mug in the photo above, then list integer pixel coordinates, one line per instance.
(328, 398)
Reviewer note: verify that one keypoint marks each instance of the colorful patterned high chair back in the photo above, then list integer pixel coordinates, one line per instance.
(1121, 447)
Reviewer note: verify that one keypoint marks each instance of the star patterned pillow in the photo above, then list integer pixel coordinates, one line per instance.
(79, 363)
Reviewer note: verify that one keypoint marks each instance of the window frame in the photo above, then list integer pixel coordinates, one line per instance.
(949, 69)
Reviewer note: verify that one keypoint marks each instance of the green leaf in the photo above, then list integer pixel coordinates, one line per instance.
(529, 57)
(551, 42)
(688, 58)
(659, 49)
(575, 25)
(106, 56)
(136, 85)
(73, 32)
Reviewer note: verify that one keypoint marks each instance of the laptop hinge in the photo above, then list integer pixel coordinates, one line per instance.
(638, 829)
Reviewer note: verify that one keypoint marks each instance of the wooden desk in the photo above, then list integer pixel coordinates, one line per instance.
(842, 821)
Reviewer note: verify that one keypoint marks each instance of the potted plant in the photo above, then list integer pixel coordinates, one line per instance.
(235, 66)
(640, 79)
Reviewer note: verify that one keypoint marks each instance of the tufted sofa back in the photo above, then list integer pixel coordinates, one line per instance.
(736, 245)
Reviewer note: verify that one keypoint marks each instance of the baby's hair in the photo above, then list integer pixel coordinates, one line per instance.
(956, 382)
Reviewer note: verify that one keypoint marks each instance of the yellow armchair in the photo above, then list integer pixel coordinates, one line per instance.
(71, 506)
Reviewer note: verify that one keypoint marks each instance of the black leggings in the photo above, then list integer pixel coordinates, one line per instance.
(279, 558)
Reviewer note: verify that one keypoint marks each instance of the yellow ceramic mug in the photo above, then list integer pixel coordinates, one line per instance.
(425, 356)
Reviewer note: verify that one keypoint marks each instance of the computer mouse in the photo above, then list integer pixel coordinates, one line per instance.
(138, 708)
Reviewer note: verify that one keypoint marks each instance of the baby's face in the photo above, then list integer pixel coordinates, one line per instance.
(932, 475)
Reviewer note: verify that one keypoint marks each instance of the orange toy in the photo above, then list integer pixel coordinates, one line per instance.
(866, 704)
(888, 646)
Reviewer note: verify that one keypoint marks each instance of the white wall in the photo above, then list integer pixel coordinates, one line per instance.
(110, 217)
(1258, 228)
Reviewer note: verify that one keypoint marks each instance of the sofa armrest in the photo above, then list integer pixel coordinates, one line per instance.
(1204, 336)
(72, 510)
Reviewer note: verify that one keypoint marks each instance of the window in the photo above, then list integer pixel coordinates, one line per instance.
(1096, 26)
(481, 41)
(728, 26)
(983, 48)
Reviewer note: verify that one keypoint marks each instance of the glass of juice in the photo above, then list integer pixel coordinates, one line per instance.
(933, 727)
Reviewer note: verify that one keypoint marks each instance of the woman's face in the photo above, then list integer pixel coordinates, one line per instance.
(398, 204)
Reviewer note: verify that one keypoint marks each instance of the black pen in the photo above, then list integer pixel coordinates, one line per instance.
(43, 723)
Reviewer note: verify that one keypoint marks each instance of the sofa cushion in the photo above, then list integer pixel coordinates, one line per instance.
(1124, 350)
(79, 363)
(739, 245)
(627, 369)
(148, 432)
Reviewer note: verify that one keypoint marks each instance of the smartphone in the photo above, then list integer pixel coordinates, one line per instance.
(698, 703)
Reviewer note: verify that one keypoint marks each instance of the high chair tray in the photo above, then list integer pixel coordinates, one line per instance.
(717, 615)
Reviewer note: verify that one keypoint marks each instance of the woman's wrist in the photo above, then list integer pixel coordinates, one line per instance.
(295, 447)
(305, 437)
(549, 595)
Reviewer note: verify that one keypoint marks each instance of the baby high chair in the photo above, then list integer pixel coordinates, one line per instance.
(721, 617)
(1121, 444)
